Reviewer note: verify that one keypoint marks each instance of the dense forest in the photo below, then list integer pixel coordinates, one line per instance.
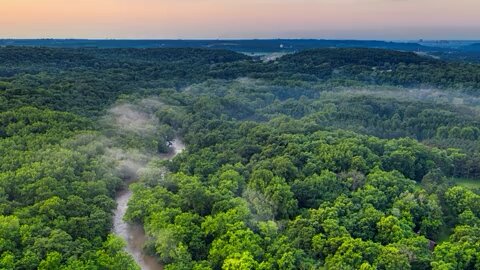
(349, 158)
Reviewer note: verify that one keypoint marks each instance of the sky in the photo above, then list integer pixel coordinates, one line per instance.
(229, 19)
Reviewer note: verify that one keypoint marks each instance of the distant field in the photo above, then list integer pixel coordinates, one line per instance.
(469, 183)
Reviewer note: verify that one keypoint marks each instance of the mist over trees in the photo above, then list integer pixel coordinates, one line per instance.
(323, 159)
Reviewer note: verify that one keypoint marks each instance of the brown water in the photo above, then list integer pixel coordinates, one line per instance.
(134, 234)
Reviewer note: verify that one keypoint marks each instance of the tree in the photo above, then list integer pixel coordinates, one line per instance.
(392, 258)
(53, 261)
(352, 254)
(112, 256)
(244, 261)
(7, 260)
(238, 241)
(391, 230)
(9, 233)
(316, 189)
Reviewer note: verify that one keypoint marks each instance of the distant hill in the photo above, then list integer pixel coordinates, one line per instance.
(355, 56)
(90, 56)
(254, 45)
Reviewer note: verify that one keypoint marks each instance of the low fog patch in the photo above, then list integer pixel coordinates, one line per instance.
(128, 117)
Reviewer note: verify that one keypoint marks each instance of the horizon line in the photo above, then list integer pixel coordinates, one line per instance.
(239, 39)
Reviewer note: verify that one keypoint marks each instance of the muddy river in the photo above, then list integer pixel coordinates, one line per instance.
(134, 234)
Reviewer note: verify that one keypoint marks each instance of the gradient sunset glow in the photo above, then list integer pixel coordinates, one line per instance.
(171, 19)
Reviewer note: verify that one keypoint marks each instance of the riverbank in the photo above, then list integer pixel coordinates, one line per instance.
(134, 234)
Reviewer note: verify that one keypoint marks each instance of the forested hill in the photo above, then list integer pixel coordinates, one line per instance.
(378, 66)
(85, 80)
(357, 56)
(351, 158)
(104, 58)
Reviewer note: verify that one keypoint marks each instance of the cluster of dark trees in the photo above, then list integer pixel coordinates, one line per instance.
(305, 162)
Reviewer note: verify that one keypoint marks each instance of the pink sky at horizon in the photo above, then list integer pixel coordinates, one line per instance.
(171, 19)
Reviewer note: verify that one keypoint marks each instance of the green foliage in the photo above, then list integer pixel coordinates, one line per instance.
(56, 190)
(301, 201)
(289, 164)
